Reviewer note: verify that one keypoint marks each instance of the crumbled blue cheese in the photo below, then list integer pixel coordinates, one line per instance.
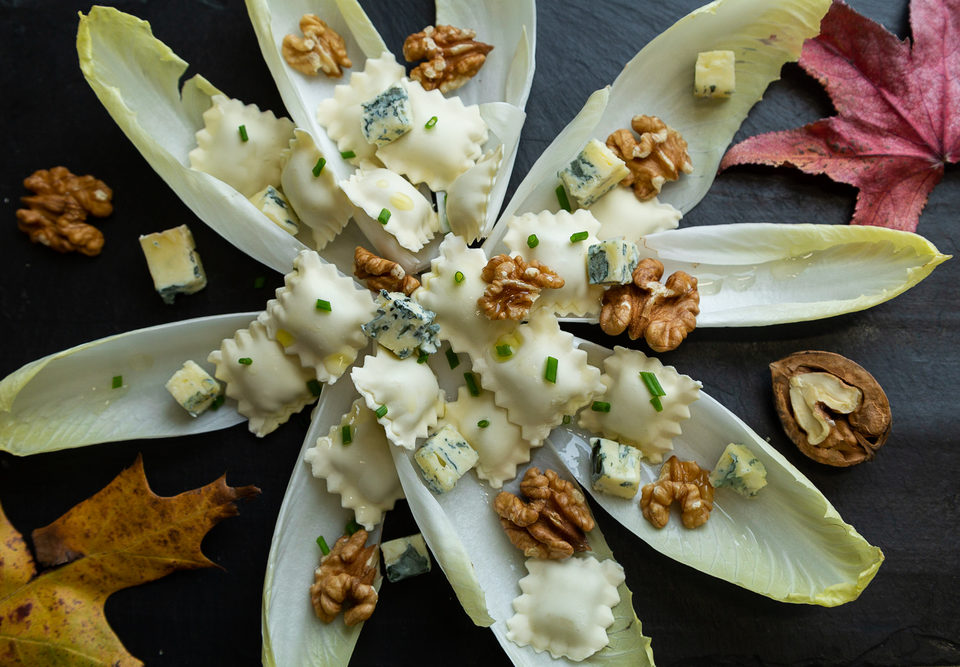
(612, 262)
(402, 325)
(616, 468)
(739, 469)
(593, 173)
(275, 206)
(444, 458)
(193, 388)
(715, 74)
(386, 117)
(405, 557)
(173, 262)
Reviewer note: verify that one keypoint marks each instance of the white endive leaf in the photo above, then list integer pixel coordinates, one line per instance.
(137, 79)
(658, 81)
(67, 399)
(510, 27)
(787, 543)
(292, 633)
(756, 274)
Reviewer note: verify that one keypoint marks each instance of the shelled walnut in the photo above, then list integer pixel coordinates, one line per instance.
(320, 49)
(553, 523)
(514, 286)
(684, 482)
(663, 313)
(379, 273)
(58, 210)
(833, 410)
(657, 156)
(344, 580)
(452, 56)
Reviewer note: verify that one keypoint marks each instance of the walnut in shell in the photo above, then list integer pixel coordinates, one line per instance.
(832, 409)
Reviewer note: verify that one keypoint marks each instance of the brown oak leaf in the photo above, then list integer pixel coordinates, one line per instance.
(122, 536)
(898, 111)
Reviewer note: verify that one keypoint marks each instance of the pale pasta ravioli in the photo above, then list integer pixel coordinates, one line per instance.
(317, 316)
(632, 418)
(622, 215)
(354, 458)
(566, 606)
(268, 384)
(469, 197)
(393, 204)
(404, 395)
(241, 145)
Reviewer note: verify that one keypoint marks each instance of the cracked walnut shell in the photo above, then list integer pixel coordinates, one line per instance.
(553, 523)
(659, 155)
(684, 482)
(663, 313)
(514, 286)
(344, 580)
(57, 212)
(851, 433)
(452, 56)
(320, 49)
(379, 273)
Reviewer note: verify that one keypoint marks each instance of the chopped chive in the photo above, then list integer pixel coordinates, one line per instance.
(653, 384)
(259, 282)
(483, 423)
(217, 402)
(657, 405)
(533, 241)
(384, 216)
(246, 361)
(600, 406)
(351, 527)
(472, 385)
(314, 387)
(346, 437)
(452, 359)
(458, 277)
(562, 198)
(324, 305)
(243, 133)
(566, 419)
(504, 351)
(422, 359)
(431, 123)
(550, 374)
(579, 236)
(381, 411)
(117, 381)
(318, 167)
(322, 543)
(347, 155)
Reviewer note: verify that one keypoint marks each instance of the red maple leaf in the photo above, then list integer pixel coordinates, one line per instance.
(898, 111)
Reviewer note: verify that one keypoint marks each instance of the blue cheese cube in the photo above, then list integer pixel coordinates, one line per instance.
(739, 469)
(193, 388)
(173, 262)
(402, 325)
(612, 262)
(616, 468)
(275, 206)
(593, 173)
(444, 458)
(405, 557)
(715, 74)
(386, 117)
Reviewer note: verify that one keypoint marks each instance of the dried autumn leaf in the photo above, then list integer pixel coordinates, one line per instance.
(898, 122)
(57, 617)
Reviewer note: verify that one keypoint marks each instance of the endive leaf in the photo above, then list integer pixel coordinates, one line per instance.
(788, 543)
(137, 79)
(763, 34)
(67, 399)
(292, 633)
(755, 274)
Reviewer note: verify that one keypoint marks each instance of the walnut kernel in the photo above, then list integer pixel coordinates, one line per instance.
(452, 56)
(344, 580)
(514, 286)
(379, 273)
(658, 156)
(684, 482)
(320, 48)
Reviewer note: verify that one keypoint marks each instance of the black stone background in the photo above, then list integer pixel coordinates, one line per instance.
(906, 501)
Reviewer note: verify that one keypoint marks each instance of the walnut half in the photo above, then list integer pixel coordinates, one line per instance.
(832, 409)
(452, 56)
(344, 580)
(379, 273)
(320, 49)
(684, 482)
(514, 286)
(658, 156)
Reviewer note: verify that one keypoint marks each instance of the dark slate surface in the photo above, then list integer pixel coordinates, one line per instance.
(906, 501)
